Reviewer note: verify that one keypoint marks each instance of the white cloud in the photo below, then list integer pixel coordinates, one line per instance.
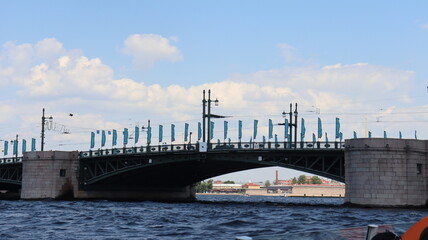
(425, 26)
(61, 79)
(147, 49)
(49, 49)
(353, 79)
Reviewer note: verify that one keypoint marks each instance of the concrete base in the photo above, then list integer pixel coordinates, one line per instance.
(54, 175)
(386, 172)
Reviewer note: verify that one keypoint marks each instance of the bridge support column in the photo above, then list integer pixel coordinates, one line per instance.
(386, 172)
(49, 175)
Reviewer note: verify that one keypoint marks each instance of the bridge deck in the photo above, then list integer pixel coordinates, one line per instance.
(186, 163)
(242, 146)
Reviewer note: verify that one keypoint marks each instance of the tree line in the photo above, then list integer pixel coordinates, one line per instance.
(302, 179)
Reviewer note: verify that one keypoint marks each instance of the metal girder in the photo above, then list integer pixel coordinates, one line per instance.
(95, 169)
(327, 163)
(11, 173)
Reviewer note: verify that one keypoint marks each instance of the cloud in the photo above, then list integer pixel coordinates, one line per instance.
(288, 52)
(425, 26)
(148, 49)
(351, 80)
(61, 80)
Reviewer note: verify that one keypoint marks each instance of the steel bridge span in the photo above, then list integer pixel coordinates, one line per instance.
(184, 164)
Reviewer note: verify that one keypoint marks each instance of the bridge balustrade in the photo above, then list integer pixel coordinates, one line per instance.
(10, 160)
(278, 145)
(168, 148)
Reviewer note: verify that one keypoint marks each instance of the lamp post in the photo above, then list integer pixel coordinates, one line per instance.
(295, 126)
(146, 129)
(210, 115)
(204, 104)
(206, 116)
(43, 129)
(291, 124)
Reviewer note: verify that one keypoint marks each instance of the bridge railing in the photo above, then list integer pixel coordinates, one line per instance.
(140, 150)
(169, 148)
(278, 145)
(10, 160)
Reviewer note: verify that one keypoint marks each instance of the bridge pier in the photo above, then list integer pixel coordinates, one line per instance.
(55, 174)
(386, 172)
(49, 174)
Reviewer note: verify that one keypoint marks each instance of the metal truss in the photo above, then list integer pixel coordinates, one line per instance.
(11, 173)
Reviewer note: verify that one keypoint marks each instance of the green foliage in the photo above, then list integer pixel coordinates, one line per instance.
(229, 182)
(316, 180)
(267, 183)
(294, 180)
(301, 179)
(204, 187)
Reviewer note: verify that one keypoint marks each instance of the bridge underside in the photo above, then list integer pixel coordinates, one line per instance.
(183, 169)
(11, 176)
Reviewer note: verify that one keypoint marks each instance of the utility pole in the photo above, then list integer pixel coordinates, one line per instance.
(209, 119)
(43, 130)
(291, 125)
(206, 117)
(295, 127)
(204, 103)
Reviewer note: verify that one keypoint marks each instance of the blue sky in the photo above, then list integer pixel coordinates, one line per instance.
(117, 64)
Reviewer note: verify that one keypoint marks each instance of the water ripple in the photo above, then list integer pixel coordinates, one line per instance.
(213, 217)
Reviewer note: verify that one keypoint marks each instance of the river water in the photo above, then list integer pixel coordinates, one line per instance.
(212, 217)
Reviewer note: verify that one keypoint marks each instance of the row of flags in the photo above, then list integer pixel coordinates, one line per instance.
(287, 135)
(15, 146)
(271, 135)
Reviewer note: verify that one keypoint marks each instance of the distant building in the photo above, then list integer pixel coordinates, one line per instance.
(284, 182)
(220, 187)
(251, 185)
(325, 182)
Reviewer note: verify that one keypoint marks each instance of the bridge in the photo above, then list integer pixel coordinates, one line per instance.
(169, 172)
(180, 165)
(398, 167)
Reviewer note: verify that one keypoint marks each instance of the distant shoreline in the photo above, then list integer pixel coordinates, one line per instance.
(264, 195)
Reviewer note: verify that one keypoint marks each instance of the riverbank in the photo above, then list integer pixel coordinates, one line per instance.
(266, 195)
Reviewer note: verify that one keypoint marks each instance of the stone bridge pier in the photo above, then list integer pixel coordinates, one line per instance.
(386, 172)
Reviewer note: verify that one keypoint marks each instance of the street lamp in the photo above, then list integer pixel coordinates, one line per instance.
(291, 124)
(207, 116)
(146, 129)
(43, 129)
(284, 114)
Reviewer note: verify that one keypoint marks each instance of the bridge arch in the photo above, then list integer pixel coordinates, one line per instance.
(188, 167)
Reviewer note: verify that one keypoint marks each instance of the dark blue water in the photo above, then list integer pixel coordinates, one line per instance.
(213, 217)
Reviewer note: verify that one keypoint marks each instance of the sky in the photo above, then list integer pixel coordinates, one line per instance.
(118, 64)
